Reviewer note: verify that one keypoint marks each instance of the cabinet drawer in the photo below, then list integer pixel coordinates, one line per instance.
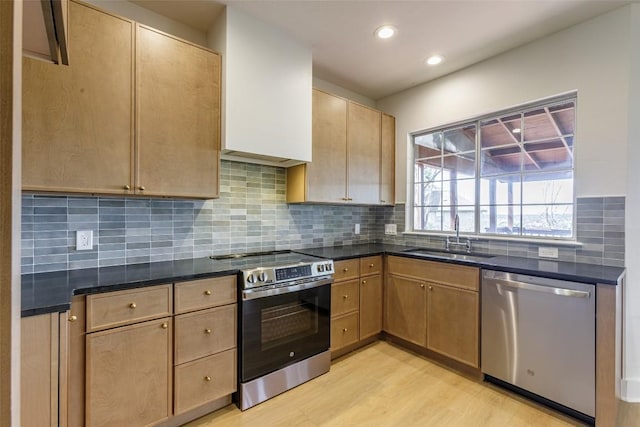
(344, 297)
(119, 308)
(370, 265)
(205, 293)
(204, 332)
(204, 380)
(346, 270)
(344, 331)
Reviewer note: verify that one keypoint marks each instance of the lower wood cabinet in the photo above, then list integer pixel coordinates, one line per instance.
(434, 305)
(39, 370)
(203, 380)
(128, 372)
(344, 331)
(370, 312)
(406, 309)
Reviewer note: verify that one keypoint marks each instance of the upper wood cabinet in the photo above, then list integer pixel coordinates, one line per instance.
(348, 164)
(178, 113)
(387, 160)
(83, 133)
(77, 131)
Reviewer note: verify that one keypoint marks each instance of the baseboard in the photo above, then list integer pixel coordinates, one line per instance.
(630, 390)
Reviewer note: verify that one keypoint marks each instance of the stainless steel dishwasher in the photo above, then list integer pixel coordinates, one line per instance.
(538, 334)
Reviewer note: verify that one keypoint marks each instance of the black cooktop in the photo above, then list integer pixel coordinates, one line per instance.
(252, 260)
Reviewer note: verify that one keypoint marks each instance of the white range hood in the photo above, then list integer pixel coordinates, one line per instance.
(266, 91)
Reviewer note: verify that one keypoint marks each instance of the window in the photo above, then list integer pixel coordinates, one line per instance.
(508, 174)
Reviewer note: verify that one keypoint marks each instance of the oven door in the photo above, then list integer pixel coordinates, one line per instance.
(279, 330)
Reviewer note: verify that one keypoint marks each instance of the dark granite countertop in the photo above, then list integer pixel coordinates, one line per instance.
(52, 292)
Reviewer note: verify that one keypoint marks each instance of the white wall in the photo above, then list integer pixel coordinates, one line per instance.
(631, 383)
(267, 79)
(152, 19)
(592, 58)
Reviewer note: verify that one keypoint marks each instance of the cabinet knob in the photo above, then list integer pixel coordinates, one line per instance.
(430, 288)
(73, 318)
(422, 285)
(345, 330)
(207, 330)
(364, 282)
(345, 296)
(371, 265)
(164, 325)
(207, 292)
(132, 305)
(127, 187)
(207, 378)
(141, 188)
(345, 269)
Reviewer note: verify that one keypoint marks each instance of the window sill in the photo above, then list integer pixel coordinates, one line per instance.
(475, 237)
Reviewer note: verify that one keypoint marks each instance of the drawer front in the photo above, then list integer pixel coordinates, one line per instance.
(204, 380)
(344, 297)
(370, 265)
(119, 308)
(346, 270)
(460, 276)
(205, 293)
(204, 333)
(344, 331)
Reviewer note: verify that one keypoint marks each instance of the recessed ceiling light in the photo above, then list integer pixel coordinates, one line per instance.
(434, 60)
(516, 130)
(386, 32)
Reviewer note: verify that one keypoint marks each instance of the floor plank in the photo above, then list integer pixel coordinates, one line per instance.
(385, 385)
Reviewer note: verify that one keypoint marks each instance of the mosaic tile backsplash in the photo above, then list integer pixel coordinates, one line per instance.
(252, 215)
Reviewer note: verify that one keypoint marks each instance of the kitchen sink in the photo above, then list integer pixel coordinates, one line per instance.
(459, 256)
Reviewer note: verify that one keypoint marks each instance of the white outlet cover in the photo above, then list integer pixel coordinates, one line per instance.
(390, 229)
(547, 252)
(84, 240)
(357, 229)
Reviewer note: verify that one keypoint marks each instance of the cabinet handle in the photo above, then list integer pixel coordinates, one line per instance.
(364, 282)
(349, 198)
(345, 198)
(132, 305)
(345, 330)
(73, 318)
(207, 378)
(207, 292)
(127, 187)
(383, 201)
(207, 330)
(165, 325)
(421, 285)
(141, 188)
(345, 296)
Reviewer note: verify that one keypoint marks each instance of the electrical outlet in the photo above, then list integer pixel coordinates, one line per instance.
(84, 240)
(547, 252)
(390, 229)
(357, 229)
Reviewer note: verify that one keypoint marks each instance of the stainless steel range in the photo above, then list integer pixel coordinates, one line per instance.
(284, 323)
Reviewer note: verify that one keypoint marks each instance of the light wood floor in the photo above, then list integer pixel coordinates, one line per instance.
(384, 385)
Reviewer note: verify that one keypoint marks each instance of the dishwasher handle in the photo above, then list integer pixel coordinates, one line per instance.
(541, 288)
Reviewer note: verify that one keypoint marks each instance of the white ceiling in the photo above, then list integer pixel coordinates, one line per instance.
(346, 53)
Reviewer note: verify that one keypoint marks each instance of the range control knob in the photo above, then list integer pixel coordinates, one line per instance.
(328, 267)
(262, 276)
(251, 278)
(320, 268)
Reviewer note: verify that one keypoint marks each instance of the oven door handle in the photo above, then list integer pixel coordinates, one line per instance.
(263, 293)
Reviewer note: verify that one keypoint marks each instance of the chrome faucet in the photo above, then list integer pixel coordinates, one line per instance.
(456, 227)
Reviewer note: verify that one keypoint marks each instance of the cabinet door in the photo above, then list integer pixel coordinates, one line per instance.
(370, 306)
(78, 119)
(128, 375)
(363, 155)
(387, 160)
(72, 364)
(326, 174)
(39, 371)
(406, 309)
(453, 323)
(178, 117)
